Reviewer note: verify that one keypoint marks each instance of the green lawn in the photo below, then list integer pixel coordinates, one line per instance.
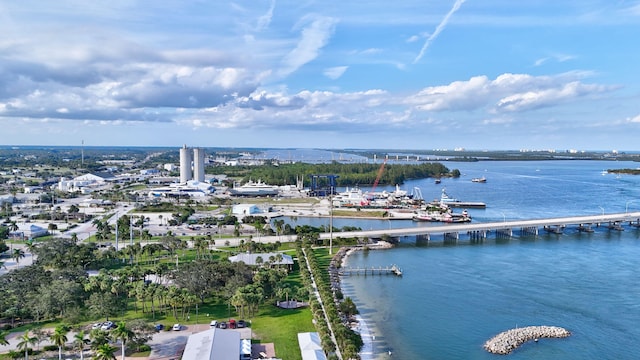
(281, 326)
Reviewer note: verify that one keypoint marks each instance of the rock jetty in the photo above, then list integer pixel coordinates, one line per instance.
(509, 340)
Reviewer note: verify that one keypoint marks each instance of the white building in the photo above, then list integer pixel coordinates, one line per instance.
(250, 259)
(28, 231)
(80, 183)
(310, 346)
(245, 209)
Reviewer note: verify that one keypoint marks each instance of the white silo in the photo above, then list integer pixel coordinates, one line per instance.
(185, 165)
(198, 164)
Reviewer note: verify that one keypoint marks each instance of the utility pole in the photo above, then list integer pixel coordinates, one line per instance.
(331, 220)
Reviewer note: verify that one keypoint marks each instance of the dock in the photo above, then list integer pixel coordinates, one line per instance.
(388, 270)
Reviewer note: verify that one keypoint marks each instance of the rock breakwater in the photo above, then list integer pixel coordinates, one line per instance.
(509, 340)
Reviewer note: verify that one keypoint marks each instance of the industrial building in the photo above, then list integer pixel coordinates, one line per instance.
(191, 164)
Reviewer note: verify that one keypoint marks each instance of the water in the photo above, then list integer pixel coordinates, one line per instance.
(452, 298)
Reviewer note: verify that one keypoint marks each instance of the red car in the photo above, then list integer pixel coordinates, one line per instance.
(232, 324)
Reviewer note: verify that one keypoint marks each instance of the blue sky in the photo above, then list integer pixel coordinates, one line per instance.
(415, 74)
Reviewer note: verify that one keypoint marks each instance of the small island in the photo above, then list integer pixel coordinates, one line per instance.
(509, 340)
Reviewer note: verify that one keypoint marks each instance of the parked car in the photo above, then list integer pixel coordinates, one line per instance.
(241, 324)
(107, 325)
(213, 323)
(96, 326)
(222, 325)
(232, 323)
(177, 327)
(159, 327)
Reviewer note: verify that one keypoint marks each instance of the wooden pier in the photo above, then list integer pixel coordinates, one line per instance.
(388, 270)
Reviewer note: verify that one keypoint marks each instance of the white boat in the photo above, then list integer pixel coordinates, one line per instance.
(351, 197)
(479, 180)
(252, 188)
(452, 202)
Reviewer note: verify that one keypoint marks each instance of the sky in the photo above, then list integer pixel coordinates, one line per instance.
(409, 74)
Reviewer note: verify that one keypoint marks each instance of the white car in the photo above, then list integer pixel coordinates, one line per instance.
(213, 324)
(177, 327)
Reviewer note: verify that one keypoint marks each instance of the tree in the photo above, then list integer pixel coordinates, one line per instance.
(124, 334)
(79, 342)
(17, 255)
(74, 237)
(59, 338)
(3, 338)
(52, 227)
(25, 342)
(105, 352)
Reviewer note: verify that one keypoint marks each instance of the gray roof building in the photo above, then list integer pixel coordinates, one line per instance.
(213, 344)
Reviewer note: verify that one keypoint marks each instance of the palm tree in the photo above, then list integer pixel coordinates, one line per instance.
(79, 342)
(25, 341)
(13, 226)
(74, 237)
(123, 333)
(59, 338)
(3, 338)
(105, 352)
(17, 255)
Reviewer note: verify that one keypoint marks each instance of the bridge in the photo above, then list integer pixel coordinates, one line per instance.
(479, 231)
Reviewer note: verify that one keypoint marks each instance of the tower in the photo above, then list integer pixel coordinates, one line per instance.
(198, 164)
(185, 165)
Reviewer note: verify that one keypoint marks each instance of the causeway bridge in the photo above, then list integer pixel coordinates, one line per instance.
(479, 231)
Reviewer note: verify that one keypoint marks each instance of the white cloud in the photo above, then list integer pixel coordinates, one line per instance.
(635, 119)
(439, 29)
(265, 20)
(335, 72)
(507, 93)
(314, 37)
(557, 57)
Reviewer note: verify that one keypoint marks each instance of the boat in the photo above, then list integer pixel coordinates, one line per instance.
(351, 197)
(252, 188)
(452, 202)
(479, 180)
(437, 181)
(442, 215)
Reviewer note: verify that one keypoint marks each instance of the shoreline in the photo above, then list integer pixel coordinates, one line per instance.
(359, 324)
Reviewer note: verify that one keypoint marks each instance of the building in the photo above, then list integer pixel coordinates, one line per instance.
(245, 209)
(250, 259)
(198, 164)
(310, 346)
(213, 344)
(191, 164)
(185, 165)
(28, 231)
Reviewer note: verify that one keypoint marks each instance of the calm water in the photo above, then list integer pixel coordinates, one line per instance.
(452, 298)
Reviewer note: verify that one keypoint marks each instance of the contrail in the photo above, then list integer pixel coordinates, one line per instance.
(439, 29)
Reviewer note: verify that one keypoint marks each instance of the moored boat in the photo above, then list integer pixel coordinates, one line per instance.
(453, 202)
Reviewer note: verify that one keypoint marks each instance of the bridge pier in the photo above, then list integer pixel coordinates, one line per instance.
(554, 229)
(477, 236)
(451, 237)
(615, 225)
(423, 238)
(529, 230)
(585, 228)
(504, 233)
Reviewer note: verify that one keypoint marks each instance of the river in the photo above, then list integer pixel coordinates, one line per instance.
(452, 298)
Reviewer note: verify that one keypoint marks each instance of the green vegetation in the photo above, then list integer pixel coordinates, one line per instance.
(350, 174)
